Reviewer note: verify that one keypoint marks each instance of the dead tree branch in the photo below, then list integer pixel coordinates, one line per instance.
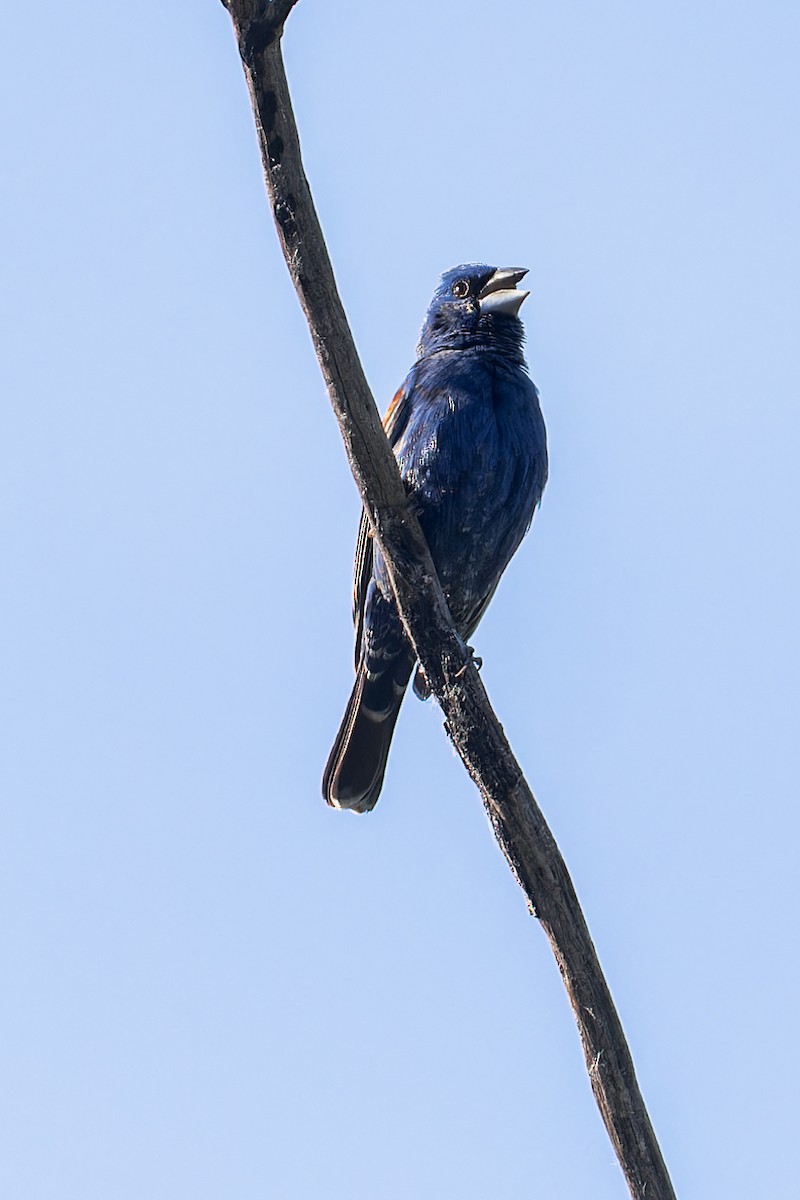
(471, 724)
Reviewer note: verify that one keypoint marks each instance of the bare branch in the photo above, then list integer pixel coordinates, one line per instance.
(271, 13)
(470, 722)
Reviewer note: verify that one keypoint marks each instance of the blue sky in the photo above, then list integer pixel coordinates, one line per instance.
(214, 986)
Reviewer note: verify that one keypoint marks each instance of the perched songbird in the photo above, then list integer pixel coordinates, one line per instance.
(468, 435)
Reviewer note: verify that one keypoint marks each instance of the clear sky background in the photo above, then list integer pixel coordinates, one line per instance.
(213, 986)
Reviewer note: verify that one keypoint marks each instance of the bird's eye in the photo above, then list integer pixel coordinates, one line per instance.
(461, 288)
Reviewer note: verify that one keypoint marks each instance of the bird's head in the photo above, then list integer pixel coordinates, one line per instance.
(475, 305)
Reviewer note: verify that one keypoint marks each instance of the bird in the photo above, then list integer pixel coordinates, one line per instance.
(470, 441)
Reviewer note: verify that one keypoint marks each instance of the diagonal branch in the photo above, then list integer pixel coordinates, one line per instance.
(470, 722)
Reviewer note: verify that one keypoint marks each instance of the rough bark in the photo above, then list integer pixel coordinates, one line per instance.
(471, 724)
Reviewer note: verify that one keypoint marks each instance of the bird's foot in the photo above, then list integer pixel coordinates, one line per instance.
(473, 658)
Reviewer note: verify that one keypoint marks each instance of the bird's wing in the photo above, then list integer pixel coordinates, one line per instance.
(394, 422)
(362, 573)
(396, 417)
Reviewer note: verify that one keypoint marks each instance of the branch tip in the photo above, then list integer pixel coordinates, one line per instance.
(258, 23)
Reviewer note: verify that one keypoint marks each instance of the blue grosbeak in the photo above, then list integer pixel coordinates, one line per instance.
(470, 441)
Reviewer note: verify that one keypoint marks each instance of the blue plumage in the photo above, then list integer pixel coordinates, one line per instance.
(470, 440)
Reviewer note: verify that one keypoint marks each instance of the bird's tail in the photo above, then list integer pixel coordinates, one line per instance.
(354, 773)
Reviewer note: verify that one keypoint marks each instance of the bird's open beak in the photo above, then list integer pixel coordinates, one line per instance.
(500, 295)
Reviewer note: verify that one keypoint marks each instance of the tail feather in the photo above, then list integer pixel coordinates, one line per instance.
(354, 773)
